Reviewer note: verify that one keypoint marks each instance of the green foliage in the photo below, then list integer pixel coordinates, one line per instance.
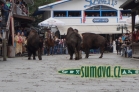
(38, 3)
(35, 6)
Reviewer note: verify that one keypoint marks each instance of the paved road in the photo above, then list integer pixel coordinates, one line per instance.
(21, 75)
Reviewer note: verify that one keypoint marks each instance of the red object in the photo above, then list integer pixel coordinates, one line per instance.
(120, 15)
(137, 36)
(84, 18)
(19, 41)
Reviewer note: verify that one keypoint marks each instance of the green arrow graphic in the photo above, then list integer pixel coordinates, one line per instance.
(70, 71)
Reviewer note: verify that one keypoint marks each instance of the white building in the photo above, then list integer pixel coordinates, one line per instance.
(102, 16)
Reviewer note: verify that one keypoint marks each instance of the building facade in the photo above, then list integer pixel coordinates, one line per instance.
(96, 16)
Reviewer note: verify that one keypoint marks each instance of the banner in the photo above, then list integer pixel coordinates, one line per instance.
(120, 15)
(84, 18)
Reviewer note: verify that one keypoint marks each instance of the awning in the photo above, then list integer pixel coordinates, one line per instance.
(23, 18)
(93, 29)
(52, 4)
(37, 12)
(129, 4)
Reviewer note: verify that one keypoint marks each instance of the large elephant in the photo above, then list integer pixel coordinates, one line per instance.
(73, 42)
(93, 41)
(34, 43)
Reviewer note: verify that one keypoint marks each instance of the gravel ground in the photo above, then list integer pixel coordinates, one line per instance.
(22, 75)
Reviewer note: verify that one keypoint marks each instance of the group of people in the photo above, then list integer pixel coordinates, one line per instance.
(20, 42)
(21, 6)
(123, 44)
(59, 47)
(59, 44)
(20, 30)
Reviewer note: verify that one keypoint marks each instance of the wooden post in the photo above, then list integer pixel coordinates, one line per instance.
(133, 29)
(133, 24)
(4, 46)
(12, 30)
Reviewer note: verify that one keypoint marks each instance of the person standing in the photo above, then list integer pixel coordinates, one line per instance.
(117, 45)
(19, 41)
(23, 42)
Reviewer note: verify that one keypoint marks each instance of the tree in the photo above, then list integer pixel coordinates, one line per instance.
(34, 7)
(38, 3)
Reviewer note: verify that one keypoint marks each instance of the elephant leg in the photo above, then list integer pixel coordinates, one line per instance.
(71, 55)
(40, 54)
(29, 55)
(34, 54)
(87, 53)
(76, 54)
(101, 51)
(80, 54)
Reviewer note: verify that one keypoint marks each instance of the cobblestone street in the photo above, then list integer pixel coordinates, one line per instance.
(22, 75)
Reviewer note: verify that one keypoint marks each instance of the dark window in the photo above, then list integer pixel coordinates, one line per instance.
(92, 13)
(126, 12)
(74, 13)
(109, 13)
(60, 13)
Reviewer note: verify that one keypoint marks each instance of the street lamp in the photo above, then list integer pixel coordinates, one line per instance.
(121, 27)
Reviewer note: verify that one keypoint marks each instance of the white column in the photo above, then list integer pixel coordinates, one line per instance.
(51, 13)
(114, 47)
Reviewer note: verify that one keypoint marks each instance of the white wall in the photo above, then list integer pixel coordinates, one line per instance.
(79, 5)
(77, 21)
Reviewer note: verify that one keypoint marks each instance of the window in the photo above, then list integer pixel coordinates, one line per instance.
(126, 12)
(74, 13)
(100, 11)
(60, 13)
(92, 13)
(109, 13)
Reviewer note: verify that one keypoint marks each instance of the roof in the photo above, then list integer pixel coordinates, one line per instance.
(129, 4)
(52, 4)
(37, 12)
(23, 18)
